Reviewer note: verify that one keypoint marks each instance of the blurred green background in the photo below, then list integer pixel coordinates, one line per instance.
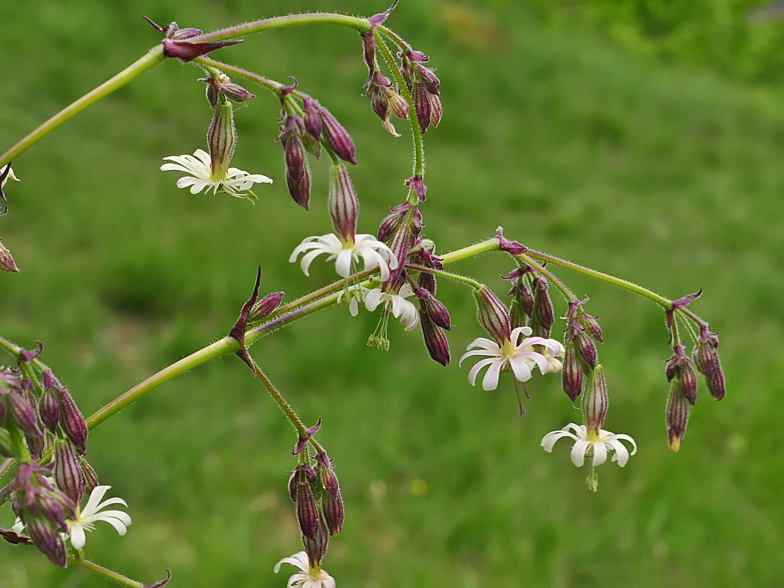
(643, 138)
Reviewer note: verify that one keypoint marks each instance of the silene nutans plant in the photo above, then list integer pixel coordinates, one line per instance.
(535, 325)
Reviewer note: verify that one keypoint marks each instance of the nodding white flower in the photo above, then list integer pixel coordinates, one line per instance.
(591, 444)
(351, 297)
(521, 357)
(311, 577)
(346, 254)
(234, 182)
(86, 519)
(396, 304)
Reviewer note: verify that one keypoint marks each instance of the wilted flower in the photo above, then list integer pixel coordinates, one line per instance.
(521, 357)
(86, 519)
(591, 445)
(374, 253)
(311, 576)
(395, 304)
(234, 182)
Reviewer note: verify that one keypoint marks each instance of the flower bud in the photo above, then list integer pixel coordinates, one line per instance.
(265, 306)
(222, 138)
(307, 511)
(297, 170)
(316, 547)
(336, 136)
(391, 222)
(572, 375)
(343, 203)
(49, 409)
(90, 477)
(595, 400)
(542, 314)
(421, 105)
(492, 315)
(312, 118)
(436, 310)
(401, 242)
(24, 416)
(517, 317)
(399, 104)
(716, 384)
(46, 537)
(7, 263)
(586, 348)
(435, 339)
(706, 359)
(677, 415)
(436, 110)
(72, 421)
(68, 473)
(427, 281)
(331, 501)
(679, 367)
(592, 328)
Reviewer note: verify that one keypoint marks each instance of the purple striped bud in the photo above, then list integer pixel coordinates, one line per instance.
(492, 315)
(316, 547)
(429, 79)
(331, 501)
(586, 348)
(265, 306)
(297, 170)
(436, 110)
(336, 136)
(679, 367)
(391, 222)
(68, 472)
(677, 415)
(24, 416)
(401, 242)
(90, 477)
(517, 317)
(427, 281)
(595, 400)
(421, 105)
(435, 339)
(343, 203)
(46, 537)
(592, 328)
(7, 263)
(307, 511)
(72, 421)
(399, 104)
(49, 409)
(716, 385)
(312, 118)
(706, 359)
(572, 375)
(222, 138)
(433, 307)
(542, 314)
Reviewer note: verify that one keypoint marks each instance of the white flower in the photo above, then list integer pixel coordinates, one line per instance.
(86, 519)
(18, 526)
(396, 304)
(591, 444)
(374, 253)
(236, 182)
(10, 176)
(521, 357)
(310, 578)
(351, 296)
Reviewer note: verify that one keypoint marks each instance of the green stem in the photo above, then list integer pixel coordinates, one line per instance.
(280, 22)
(471, 251)
(106, 573)
(225, 345)
(151, 58)
(416, 132)
(456, 277)
(644, 292)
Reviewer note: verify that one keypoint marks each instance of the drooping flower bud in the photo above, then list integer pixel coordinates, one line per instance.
(435, 308)
(307, 511)
(336, 136)
(49, 409)
(68, 473)
(48, 539)
(592, 327)
(572, 375)
(435, 339)
(25, 418)
(706, 359)
(331, 501)
(297, 170)
(436, 110)
(542, 314)
(316, 547)
(492, 315)
(399, 104)
(595, 400)
(72, 421)
(679, 367)
(391, 222)
(222, 138)
(427, 281)
(586, 348)
(421, 105)
(312, 118)
(677, 415)
(343, 203)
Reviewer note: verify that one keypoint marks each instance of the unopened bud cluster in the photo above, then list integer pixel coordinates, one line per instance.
(319, 505)
(40, 418)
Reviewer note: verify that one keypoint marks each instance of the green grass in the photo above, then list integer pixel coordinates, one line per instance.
(666, 175)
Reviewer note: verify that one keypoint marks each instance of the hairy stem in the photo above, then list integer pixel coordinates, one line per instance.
(280, 22)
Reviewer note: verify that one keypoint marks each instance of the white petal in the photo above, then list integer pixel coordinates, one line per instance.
(621, 453)
(548, 441)
(599, 453)
(343, 263)
(485, 343)
(520, 368)
(77, 536)
(578, 452)
(95, 498)
(373, 298)
(299, 559)
(490, 381)
(475, 370)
